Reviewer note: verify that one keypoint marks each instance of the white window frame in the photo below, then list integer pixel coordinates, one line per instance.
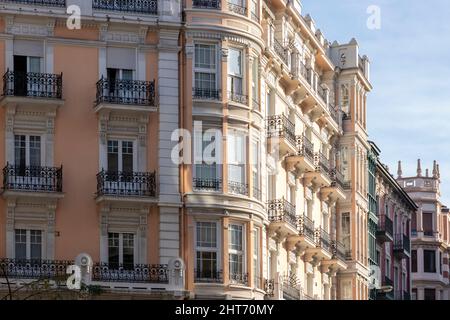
(242, 253)
(200, 146)
(214, 71)
(256, 234)
(28, 242)
(233, 133)
(256, 163)
(241, 76)
(135, 251)
(121, 140)
(217, 249)
(27, 147)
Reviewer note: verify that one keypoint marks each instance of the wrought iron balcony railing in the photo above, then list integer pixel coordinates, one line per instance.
(306, 227)
(207, 4)
(322, 93)
(337, 178)
(291, 288)
(323, 240)
(206, 94)
(35, 179)
(142, 184)
(34, 85)
(128, 92)
(254, 16)
(104, 272)
(44, 3)
(322, 164)
(130, 6)
(208, 184)
(237, 9)
(208, 276)
(334, 113)
(34, 269)
(239, 279)
(385, 225)
(282, 211)
(305, 148)
(402, 243)
(257, 193)
(269, 287)
(281, 127)
(239, 188)
(338, 250)
(238, 97)
(280, 51)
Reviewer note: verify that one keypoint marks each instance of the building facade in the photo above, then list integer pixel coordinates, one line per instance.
(391, 252)
(272, 199)
(430, 234)
(86, 123)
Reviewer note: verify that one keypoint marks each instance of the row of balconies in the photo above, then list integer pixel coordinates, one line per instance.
(109, 92)
(50, 180)
(302, 231)
(385, 233)
(101, 272)
(129, 6)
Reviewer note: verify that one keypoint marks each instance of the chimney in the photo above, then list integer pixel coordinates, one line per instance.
(399, 171)
(419, 168)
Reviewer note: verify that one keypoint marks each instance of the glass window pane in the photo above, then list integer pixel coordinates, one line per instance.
(127, 156)
(235, 62)
(35, 65)
(207, 234)
(35, 151)
(20, 150)
(113, 156)
(35, 244)
(128, 250)
(21, 244)
(113, 249)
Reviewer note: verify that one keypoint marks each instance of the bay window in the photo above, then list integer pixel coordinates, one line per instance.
(256, 258)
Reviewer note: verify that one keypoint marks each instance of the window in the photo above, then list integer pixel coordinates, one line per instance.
(120, 156)
(256, 257)
(414, 223)
(414, 261)
(237, 155)
(27, 151)
(205, 73)
(235, 72)
(345, 98)
(430, 294)
(256, 170)
(207, 149)
(207, 251)
(236, 252)
(28, 244)
(121, 250)
(429, 261)
(388, 267)
(440, 262)
(428, 223)
(255, 84)
(22, 66)
(345, 231)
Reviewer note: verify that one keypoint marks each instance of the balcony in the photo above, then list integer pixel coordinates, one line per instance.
(306, 229)
(208, 276)
(207, 184)
(235, 8)
(44, 3)
(385, 230)
(336, 190)
(402, 246)
(206, 94)
(281, 51)
(126, 186)
(323, 241)
(32, 181)
(104, 272)
(291, 288)
(302, 160)
(387, 282)
(238, 97)
(239, 279)
(269, 288)
(281, 135)
(207, 4)
(149, 7)
(34, 269)
(282, 217)
(125, 95)
(36, 89)
(321, 176)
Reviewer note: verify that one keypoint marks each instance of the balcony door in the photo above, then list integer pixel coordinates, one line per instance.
(28, 245)
(120, 86)
(27, 163)
(23, 66)
(121, 250)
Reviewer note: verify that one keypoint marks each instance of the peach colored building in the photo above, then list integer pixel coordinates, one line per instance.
(277, 210)
(86, 123)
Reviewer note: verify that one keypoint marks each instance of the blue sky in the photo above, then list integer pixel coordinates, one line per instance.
(410, 71)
